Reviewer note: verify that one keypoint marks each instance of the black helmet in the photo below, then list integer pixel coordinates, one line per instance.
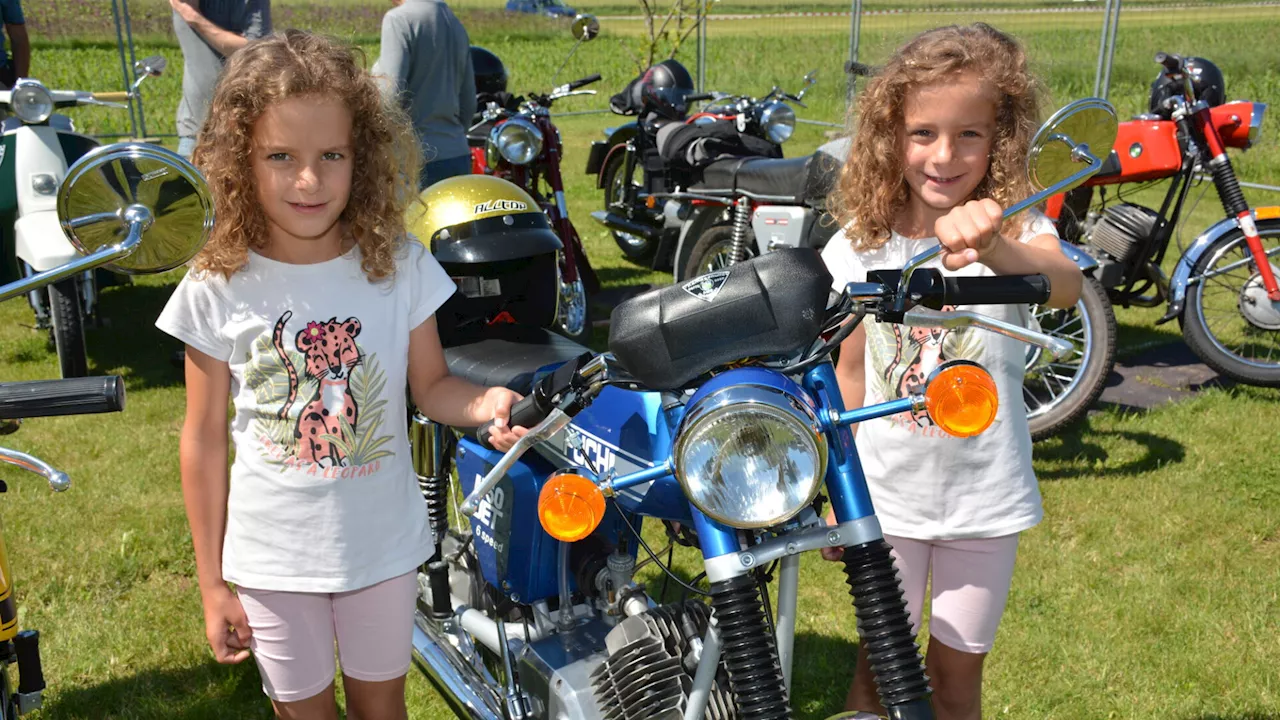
(491, 74)
(1207, 84)
(664, 87)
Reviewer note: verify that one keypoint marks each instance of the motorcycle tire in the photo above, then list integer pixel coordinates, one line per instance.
(711, 251)
(1053, 398)
(66, 316)
(1257, 320)
(636, 248)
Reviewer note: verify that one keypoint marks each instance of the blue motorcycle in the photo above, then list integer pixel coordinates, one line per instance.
(716, 412)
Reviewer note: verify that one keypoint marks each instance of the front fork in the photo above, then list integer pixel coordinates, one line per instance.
(1228, 186)
(884, 626)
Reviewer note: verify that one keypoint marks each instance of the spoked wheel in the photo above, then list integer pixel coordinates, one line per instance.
(573, 315)
(714, 251)
(635, 247)
(1057, 392)
(1229, 321)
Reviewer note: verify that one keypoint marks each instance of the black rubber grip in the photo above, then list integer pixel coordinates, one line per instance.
(72, 396)
(1172, 63)
(584, 81)
(526, 413)
(998, 290)
(698, 97)
(30, 673)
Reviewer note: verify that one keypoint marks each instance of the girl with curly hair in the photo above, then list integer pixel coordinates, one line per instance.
(938, 148)
(310, 312)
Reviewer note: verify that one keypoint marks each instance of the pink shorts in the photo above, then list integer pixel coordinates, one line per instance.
(293, 635)
(971, 580)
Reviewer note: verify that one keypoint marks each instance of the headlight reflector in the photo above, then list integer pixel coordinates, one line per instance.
(517, 140)
(750, 456)
(778, 121)
(961, 398)
(31, 102)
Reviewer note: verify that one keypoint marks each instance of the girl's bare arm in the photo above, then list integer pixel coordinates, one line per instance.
(203, 452)
(851, 371)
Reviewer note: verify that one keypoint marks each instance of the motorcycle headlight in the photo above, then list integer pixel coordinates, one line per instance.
(750, 456)
(517, 140)
(31, 102)
(778, 121)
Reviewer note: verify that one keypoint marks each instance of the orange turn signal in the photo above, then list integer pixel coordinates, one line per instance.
(570, 507)
(961, 398)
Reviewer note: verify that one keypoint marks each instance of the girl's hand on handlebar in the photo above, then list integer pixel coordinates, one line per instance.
(969, 232)
(498, 402)
(226, 626)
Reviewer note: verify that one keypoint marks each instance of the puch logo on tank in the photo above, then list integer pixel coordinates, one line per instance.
(501, 206)
(706, 287)
(588, 452)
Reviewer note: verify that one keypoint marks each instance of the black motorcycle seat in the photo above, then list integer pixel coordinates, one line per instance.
(508, 355)
(775, 177)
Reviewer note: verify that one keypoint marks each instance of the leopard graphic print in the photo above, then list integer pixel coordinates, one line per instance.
(331, 354)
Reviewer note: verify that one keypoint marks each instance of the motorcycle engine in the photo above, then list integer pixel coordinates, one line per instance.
(652, 660)
(1121, 230)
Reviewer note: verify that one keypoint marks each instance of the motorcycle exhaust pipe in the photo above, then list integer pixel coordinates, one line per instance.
(468, 693)
(614, 221)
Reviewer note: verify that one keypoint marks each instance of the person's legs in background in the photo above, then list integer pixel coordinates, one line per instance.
(437, 170)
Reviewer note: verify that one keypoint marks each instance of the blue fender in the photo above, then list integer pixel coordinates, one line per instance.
(1186, 264)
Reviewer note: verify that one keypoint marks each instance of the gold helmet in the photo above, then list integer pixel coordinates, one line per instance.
(480, 219)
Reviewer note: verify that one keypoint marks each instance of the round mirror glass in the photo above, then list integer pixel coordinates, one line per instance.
(106, 182)
(1088, 125)
(586, 27)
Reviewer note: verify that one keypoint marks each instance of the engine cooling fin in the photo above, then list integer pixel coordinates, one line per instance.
(1122, 229)
(652, 660)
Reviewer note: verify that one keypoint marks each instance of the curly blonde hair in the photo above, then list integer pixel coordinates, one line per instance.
(386, 155)
(872, 188)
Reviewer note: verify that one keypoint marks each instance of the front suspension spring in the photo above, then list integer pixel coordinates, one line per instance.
(750, 652)
(741, 217)
(885, 628)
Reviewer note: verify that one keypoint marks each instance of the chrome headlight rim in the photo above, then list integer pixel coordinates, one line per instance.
(504, 139)
(778, 121)
(20, 100)
(768, 400)
(1255, 121)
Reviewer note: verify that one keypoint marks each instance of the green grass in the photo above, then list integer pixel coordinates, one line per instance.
(1150, 590)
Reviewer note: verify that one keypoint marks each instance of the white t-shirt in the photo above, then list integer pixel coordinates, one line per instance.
(926, 484)
(323, 496)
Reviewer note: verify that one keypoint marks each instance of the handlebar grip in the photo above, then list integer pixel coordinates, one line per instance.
(72, 396)
(999, 290)
(584, 81)
(698, 97)
(526, 413)
(26, 646)
(118, 96)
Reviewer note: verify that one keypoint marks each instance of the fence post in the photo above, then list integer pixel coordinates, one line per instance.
(1106, 49)
(124, 65)
(702, 45)
(855, 36)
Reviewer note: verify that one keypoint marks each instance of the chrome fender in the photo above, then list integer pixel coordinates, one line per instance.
(1182, 272)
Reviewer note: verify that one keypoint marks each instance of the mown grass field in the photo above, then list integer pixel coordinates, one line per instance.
(1150, 590)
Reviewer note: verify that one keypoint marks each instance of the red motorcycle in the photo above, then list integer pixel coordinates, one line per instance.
(1224, 289)
(516, 140)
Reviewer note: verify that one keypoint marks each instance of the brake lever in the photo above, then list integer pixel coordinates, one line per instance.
(555, 421)
(925, 317)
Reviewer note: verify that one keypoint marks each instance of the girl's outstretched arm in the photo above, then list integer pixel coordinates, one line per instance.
(971, 233)
(451, 400)
(203, 453)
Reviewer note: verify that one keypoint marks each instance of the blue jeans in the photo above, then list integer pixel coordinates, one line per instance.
(437, 170)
